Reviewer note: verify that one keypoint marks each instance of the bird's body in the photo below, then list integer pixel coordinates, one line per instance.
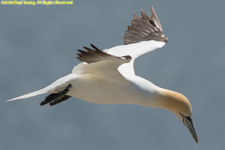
(118, 90)
(109, 85)
(108, 77)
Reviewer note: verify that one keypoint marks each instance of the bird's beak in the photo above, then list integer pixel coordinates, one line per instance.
(189, 124)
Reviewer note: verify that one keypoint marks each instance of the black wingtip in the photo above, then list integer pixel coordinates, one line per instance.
(93, 46)
(144, 28)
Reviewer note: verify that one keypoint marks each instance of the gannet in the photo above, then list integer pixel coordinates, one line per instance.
(108, 77)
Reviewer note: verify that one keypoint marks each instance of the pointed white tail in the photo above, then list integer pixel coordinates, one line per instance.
(56, 86)
(32, 94)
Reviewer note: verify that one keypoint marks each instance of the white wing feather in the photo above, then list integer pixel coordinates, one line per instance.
(134, 50)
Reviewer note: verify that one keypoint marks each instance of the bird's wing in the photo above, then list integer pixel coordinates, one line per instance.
(96, 55)
(145, 28)
(145, 34)
(99, 63)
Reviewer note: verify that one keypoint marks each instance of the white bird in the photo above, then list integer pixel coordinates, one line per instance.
(108, 77)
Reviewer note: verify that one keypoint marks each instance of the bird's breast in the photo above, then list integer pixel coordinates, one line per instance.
(100, 90)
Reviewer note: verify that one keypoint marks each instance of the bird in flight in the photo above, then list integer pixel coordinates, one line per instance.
(108, 76)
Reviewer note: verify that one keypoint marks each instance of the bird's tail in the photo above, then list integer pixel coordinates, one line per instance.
(32, 94)
(55, 87)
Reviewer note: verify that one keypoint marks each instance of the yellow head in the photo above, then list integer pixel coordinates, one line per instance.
(181, 107)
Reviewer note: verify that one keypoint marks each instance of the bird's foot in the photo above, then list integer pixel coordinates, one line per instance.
(56, 98)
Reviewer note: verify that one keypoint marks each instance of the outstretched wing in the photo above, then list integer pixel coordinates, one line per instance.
(99, 63)
(144, 35)
(144, 29)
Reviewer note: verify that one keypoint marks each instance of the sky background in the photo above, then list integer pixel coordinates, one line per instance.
(38, 45)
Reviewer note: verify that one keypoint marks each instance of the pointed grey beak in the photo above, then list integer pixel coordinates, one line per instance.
(189, 124)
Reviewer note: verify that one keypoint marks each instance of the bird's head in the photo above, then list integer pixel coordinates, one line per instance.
(181, 107)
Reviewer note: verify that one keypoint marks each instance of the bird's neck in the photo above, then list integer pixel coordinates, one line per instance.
(172, 101)
(165, 99)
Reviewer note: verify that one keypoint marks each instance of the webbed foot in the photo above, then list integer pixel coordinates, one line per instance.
(56, 98)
